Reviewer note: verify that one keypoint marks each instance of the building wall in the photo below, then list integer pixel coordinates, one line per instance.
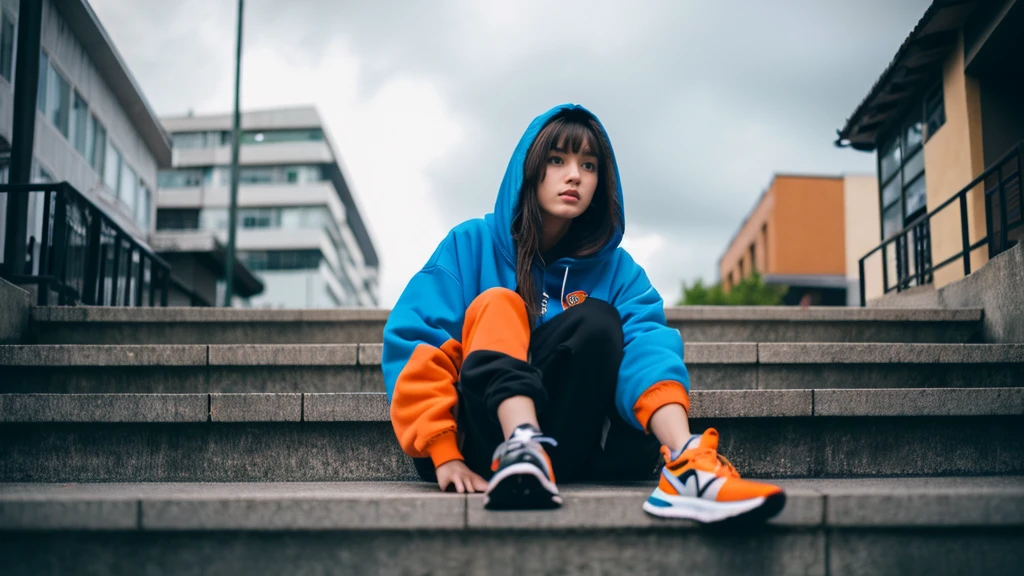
(797, 228)
(862, 230)
(808, 220)
(53, 151)
(750, 233)
(954, 156)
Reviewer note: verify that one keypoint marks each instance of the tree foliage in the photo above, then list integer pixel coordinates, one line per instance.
(751, 291)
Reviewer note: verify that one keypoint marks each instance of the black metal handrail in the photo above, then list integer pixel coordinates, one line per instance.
(84, 256)
(1005, 191)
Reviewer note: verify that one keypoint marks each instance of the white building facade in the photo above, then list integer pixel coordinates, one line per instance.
(93, 126)
(299, 228)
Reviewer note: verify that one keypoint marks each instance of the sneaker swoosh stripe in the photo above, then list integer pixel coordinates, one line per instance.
(681, 483)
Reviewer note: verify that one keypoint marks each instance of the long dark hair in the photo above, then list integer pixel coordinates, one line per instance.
(589, 231)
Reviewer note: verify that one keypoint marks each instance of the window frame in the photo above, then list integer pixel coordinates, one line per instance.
(915, 113)
(7, 49)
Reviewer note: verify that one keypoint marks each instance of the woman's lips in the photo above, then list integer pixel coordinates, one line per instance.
(570, 195)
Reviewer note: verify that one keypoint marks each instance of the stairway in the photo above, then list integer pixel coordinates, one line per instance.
(211, 441)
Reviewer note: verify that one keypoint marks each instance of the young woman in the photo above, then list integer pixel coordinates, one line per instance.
(480, 357)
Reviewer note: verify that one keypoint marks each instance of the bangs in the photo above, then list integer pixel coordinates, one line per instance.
(574, 133)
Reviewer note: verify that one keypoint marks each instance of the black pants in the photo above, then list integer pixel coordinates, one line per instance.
(571, 376)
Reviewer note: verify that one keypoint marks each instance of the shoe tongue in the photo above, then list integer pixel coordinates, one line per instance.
(709, 439)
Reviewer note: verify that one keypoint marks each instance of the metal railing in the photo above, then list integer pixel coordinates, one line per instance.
(1003, 200)
(84, 256)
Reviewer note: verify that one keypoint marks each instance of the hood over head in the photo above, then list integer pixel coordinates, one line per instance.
(508, 195)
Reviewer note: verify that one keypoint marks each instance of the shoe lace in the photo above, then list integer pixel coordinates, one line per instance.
(709, 459)
(516, 443)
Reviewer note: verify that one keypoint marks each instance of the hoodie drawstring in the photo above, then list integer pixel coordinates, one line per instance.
(562, 301)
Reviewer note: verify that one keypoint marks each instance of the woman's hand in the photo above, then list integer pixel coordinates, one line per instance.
(456, 474)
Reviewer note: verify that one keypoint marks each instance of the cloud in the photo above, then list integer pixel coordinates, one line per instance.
(704, 101)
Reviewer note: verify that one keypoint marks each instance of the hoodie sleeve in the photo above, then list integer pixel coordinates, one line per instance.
(652, 373)
(422, 357)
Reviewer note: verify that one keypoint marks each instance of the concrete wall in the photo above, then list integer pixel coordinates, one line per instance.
(862, 234)
(999, 289)
(52, 149)
(954, 156)
(15, 306)
(274, 153)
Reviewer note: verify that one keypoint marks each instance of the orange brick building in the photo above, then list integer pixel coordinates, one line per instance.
(795, 236)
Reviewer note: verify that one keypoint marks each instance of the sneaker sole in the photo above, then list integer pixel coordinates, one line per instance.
(521, 487)
(707, 512)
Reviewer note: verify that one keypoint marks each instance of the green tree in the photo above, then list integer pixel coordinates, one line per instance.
(751, 291)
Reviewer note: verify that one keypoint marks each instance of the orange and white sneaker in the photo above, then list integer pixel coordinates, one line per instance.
(700, 484)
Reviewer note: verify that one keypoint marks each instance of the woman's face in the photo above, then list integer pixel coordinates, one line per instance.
(569, 182)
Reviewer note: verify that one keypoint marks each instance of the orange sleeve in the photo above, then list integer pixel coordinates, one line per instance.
(658, 395)
(422, 403)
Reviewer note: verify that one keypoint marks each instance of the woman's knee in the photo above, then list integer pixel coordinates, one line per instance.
(599, 323)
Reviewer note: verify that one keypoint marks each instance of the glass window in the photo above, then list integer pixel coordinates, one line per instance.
(112, 169)
(44, 66)
(129, 186)
(58, 100)
(177, 219)
(917, 197)
(891, 192)
(892, 220)
(187, 178)
(6, 46)
(99, 146)
(207, 139)
(914, 166)
(79, 125)
(142, 207)
(275, 136)
(891, 159)
(912, 137)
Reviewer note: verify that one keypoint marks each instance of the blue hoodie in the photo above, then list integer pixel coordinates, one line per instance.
(422, 338)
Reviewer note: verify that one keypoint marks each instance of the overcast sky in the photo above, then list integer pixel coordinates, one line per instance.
(703, 100)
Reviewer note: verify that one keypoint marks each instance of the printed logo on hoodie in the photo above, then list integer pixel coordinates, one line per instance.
(574, 298)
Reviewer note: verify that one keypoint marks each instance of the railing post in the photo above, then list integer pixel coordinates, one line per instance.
(166, 280)
(115, 271)
(140, 279)
(965, 237)
(90, 281)
(60, 237)
(1002, 211)
(152, 283)
(43, 298)
(885, 269)
(863, 295)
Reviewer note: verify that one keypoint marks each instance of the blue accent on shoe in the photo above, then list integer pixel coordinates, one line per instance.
(658, 502)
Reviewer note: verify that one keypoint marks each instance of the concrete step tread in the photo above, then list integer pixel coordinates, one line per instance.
(951, 502)
(700, 353)
(717, 313)
(373, 406)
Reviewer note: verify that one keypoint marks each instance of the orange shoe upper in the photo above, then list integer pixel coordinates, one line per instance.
(706, 458)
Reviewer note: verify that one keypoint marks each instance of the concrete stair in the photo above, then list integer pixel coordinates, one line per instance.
(328, 437)
(106, 325)
(925, 525)
(356, 367)
(255, 441)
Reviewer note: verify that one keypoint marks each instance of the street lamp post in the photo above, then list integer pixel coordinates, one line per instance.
(229, 267)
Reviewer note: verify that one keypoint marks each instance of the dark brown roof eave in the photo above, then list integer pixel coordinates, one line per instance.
(922, 51)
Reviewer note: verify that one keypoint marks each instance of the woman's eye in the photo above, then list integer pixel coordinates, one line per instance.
(589, 166)
(555, 159)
